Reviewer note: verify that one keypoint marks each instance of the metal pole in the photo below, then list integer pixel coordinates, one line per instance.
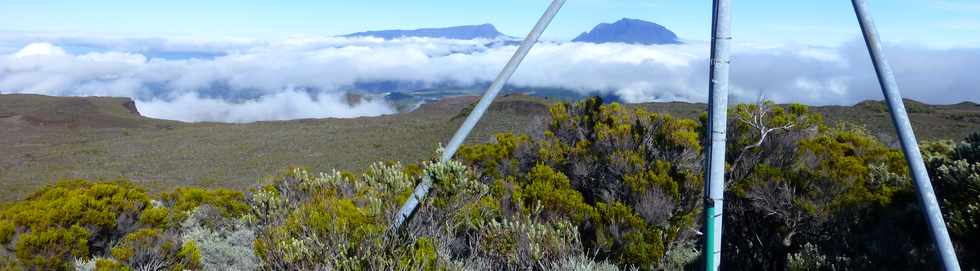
(481, 107)
(721, 36)
(927, 197)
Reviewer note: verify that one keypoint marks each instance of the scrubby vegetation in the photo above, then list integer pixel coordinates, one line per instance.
(630, 179)
(603, 187)
(115, 224)
(801, 195)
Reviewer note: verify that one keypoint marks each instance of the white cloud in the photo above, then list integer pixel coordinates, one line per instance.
(286, 105)
(305, 76)
(39, 49)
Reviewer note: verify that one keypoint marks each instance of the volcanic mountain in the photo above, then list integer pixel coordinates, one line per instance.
(630, 31)
(466, 32)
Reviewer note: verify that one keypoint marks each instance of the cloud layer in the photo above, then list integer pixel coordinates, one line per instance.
(306, 77)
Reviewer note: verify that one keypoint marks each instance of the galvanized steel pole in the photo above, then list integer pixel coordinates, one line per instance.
(721, 36)
(927, 197)
(481, 107)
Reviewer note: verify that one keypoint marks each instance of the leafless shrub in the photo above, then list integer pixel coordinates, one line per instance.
(776, 199)
(655, 207)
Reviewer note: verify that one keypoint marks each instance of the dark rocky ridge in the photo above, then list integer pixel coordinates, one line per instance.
(631, 31)
(466, 32)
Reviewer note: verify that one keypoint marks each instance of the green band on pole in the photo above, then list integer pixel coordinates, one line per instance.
(710, 240)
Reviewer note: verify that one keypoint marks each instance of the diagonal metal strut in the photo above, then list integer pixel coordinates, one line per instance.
(423, 187)
(917, 168)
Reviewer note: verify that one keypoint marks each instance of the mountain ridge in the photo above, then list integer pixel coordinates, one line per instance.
(463, 32)
(626, 30)
(630, 31)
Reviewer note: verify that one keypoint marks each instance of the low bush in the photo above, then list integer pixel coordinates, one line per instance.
(184, 200)
(227, 247)
(629, 179)
(955, 172)
(72, 219)
(341, 221)
(153, 249)
(84, 220)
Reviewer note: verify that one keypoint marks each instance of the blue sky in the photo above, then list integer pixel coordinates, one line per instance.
(935, 23)
(250, 60)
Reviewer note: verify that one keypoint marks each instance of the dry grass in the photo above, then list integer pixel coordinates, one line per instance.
(99, 139)
(44, 139)
(930, 122)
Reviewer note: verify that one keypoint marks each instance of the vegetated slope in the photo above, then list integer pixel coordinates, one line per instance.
(43, 139)
(88, 112)
(102, 139)
(930, 122)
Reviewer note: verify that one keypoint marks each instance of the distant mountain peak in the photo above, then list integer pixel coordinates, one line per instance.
(465, 32)
(632, 31)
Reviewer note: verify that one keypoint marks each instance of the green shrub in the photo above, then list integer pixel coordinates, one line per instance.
(845, 157)
(554, 192)
(155, 217)
(339, 221)
(72, 219)
(53, 248)
(190, 257)
(423, 256)
(620, 227)
(7, 231)
(110, 265)
(600, 164)
(78, 219)
(521, 243)
(330, 220)
(77, 202)
(185, 199)
(496, 159)
(341, 217)
(9, 264)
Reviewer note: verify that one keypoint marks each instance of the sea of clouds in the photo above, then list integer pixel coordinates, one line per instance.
(242, 80)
